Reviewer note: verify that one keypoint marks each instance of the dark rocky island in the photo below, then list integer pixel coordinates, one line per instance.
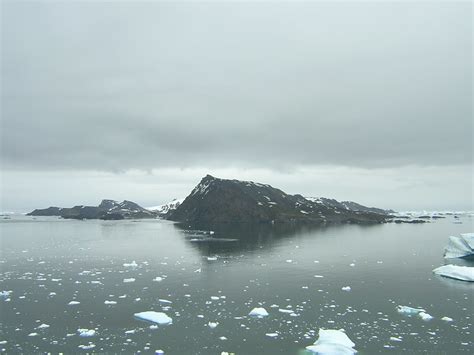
(215, 201)
(107, 210)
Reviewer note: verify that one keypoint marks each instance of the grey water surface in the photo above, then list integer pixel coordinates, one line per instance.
(46, 263)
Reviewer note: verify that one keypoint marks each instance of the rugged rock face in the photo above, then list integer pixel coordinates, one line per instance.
(50, 211)
(108, 209)
(348, 205)
(216, 200)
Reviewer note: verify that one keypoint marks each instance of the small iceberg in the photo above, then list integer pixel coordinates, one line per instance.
(410, 311)
(463, 273)
(132, 264)
(85, 333)
(460, 247)
(332, 341)
(213, 325)
(258, 312)
(155, 317)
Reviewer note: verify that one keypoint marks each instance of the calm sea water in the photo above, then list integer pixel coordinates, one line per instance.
(48, 262)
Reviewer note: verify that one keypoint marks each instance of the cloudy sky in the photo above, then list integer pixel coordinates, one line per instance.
(368, 101)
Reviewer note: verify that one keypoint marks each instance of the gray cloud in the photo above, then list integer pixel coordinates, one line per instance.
(120, 86)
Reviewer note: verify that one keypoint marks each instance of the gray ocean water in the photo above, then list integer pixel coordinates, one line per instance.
(48, 262)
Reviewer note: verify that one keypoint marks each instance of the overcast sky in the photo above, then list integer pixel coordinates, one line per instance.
(368, 101)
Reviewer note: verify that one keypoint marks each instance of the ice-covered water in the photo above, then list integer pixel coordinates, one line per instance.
(63, 288)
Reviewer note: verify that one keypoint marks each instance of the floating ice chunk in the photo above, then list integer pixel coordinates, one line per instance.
(5, 294)
(215, 298)
(110, 302)
(87, 347)
(132, 264)
(212, 258)
(352, 265)
(409, 310)
(158, 279)
(43, 326)
(155, 317)
(86, 333)
(319, 276)
(459, 247)
(73, 303)
(213, 325)
(153, 326)
(425, 316)
(159, 352)
(129, 280)
(258, 312)
(463, 273)
(271, 335)
(346, 288)
(395, 339)
(132, 331)
(282, 310)
(33, 334)
(161, 300)
(447, 319)
(332, 341)
(222, 338)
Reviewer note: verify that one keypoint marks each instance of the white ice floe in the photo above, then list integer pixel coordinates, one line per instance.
(271, 335)
(425, 316)
(463, 273)
(459, 247)
(43, 326)
(86, 333)
(258, 312)
(159, 352)
(73, 303)
(346, 288)
(409, 310)
(132, 264)
(447, 319)
(129, 280)
(87, 347)
(33, 334)
(395, 339)
(158, 279)
(161, 300)
(332, 341)
(5, 294)
(110, 302)
(213, 325)
(282, 310)
(155, 317)
(212, 258)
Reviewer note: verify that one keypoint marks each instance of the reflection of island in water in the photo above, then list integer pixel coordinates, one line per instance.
(231, 239)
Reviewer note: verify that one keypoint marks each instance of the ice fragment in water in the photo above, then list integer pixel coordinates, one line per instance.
(258, 312)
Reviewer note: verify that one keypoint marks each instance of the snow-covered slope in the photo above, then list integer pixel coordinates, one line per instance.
(167, 207)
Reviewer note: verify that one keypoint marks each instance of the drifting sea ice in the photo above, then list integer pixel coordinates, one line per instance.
(459, 247)
(85, 333)
(258, 312)
(129, 280)
(332, 341)
(410, 311)
(463, 273)
(414, 311)
(213, 325)
(73, 303)
(132, 264)
(155, 317)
